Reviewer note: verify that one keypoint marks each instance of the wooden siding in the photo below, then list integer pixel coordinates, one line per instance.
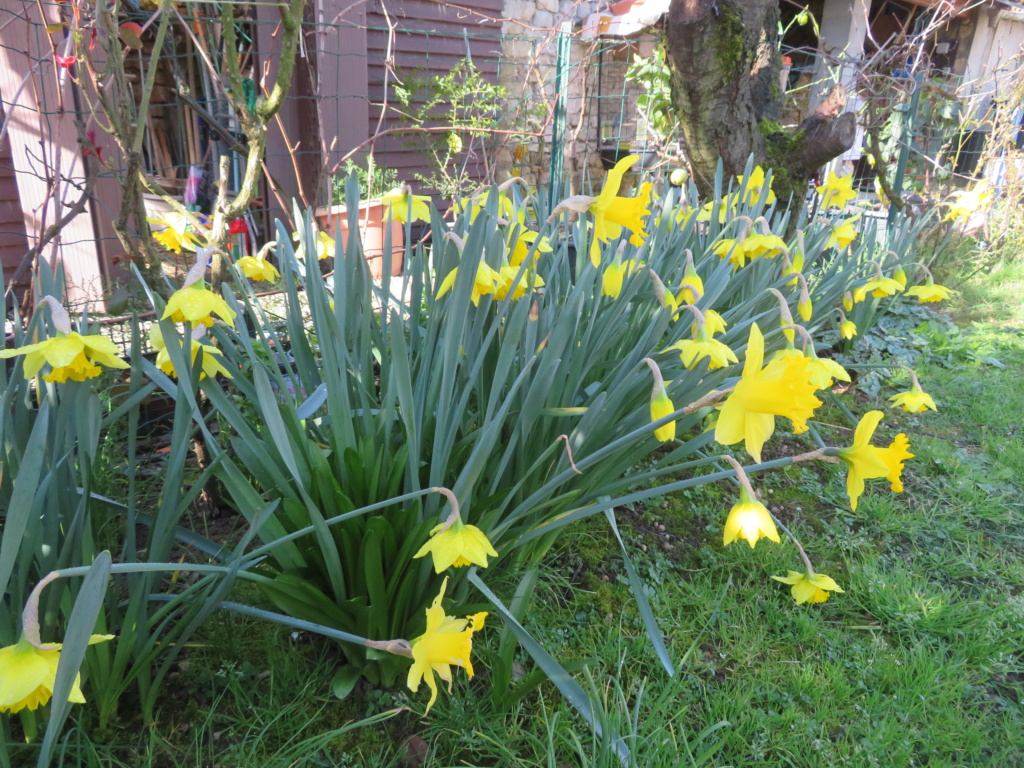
(13, 243)
(430, 39)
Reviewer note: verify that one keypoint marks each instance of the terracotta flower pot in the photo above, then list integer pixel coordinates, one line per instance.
(372, 227)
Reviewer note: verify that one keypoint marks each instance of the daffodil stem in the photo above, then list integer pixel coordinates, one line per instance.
(931, 277)
(698, 316)
(842, 315)
(787, 316)
(741, 475)
(397, 647)
(454, 516)
(659, 381)
(568, 451)
(709, 399)
(913, 379)
(804, 333)
(795, 540)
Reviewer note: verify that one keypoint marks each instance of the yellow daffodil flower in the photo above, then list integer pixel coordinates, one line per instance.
(929, 292)
(613, 213)
(212, 356)
(614, 275)
(69, 355)
(486, 282)
(782, 388)
(728, 247)
(457, 546)
(754, 186)
(661, 406)
(177, 232)
(447, 641)
(477, 203)
(900, 276)
(805, 309)
(690, 295)
(258, 269)
(763, 246)
(966, 203)
(521, 247)
(713, 323)
(507, 282)
(197, 304)
(28, 674)
(726, 210)
(843, 233)
(837, 191)
(882, 286)
(808, 587)
(848, 329)
(402, 205)
(859, 294)
(865, 461)
(822, 369)
(692, 352)
(914, 401)
(749, 519)
(794, 268)
(848, 300)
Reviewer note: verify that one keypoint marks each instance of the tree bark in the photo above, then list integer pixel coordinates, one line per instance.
(724, 63)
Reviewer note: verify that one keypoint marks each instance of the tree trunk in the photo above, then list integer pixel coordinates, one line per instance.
(724, 63)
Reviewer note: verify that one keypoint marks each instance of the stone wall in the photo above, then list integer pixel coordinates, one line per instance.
(529, 53)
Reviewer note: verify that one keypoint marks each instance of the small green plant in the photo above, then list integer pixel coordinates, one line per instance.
(374, 181)
(465, 103)
(655, 102)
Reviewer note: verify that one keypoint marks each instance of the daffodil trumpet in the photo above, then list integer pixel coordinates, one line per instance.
(847, 328)
(748, 519)
(453, 543)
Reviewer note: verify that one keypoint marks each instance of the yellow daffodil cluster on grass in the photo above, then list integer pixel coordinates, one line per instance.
(781, 388)
(837, 191)
(867, 462)
(809, 587)
(69, 354)
(447, 642)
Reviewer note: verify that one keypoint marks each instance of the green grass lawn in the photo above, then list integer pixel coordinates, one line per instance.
(917, 663)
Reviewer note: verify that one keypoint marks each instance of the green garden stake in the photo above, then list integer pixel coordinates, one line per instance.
(249, 91)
